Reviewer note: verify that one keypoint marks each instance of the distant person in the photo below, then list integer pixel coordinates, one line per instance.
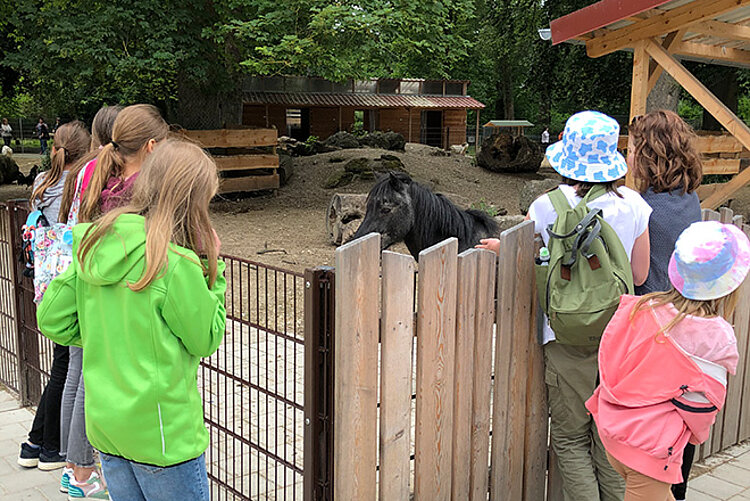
(7, 132)
(56, 126)
(42, 132)
(545, 137)
(145, 300)
(559, 136)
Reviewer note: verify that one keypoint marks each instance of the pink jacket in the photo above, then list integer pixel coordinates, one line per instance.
(654, 396)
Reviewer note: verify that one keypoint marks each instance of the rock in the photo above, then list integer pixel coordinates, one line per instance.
(335, 160)
(338, 178)
(342, 140)
(508, 222)
(358, 165)
(439, 152)
(286, 167)
(388, 163)
(533, 190)
(375, 139)
(396, 142)
(505, 153)
(9, 170)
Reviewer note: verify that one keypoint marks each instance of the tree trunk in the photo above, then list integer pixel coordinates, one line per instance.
(344, 215)
(665, 94)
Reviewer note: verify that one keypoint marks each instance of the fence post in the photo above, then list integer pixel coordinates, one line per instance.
(28, 346)
(319, 339)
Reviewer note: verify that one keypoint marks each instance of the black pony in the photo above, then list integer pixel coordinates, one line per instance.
(401, 209)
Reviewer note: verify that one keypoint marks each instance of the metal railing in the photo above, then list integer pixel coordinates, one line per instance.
(256, 388)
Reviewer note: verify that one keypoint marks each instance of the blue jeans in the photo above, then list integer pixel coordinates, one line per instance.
(43, 146)
(131, 481)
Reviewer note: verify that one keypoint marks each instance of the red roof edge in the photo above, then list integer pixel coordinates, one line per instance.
(597, 16)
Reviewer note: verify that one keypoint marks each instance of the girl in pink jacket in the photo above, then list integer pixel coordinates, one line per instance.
(664, 359)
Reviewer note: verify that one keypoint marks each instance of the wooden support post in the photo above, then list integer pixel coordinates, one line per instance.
(639, 90)
(713, 105)
(267, 119)
(409, 124)
(339, 118)
(477, 142)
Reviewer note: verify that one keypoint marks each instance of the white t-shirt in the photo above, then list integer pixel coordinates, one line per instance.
(628, 216)
(545, 137)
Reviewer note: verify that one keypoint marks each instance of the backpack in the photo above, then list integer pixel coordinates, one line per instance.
(34, 221)
(588, 270)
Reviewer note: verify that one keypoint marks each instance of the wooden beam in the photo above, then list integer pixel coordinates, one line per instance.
(638, 92)
(717, 52)
(675, 19)
(721, 166)
(241, 162)
(671, 43)
(232, 138)
(713, 105)
(723, 30)
(249, 183)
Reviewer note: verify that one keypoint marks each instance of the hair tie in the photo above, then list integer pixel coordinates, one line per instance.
(115, 145)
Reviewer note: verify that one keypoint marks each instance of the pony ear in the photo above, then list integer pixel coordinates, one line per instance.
(394, 180)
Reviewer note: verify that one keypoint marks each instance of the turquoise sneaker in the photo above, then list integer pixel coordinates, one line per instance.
(67, 474)
(93, 488)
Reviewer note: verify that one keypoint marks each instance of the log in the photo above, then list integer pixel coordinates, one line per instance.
(343, 216)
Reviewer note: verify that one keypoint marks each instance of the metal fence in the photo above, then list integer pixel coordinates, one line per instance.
(255, 388)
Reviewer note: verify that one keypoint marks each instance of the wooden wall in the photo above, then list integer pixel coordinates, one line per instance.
(455, 120)
(324, 122)
(254, 115)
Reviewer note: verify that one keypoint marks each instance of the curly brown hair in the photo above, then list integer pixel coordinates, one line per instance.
(665, 157)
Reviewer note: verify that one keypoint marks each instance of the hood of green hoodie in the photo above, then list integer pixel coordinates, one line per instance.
(118, 255)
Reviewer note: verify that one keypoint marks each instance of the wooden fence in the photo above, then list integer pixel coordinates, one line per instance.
(421, 373)
(733, 421)
(248, 159)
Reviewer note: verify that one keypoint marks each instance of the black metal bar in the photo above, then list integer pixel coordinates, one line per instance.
(319, 332)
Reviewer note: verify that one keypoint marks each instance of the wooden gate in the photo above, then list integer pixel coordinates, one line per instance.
(434, 397)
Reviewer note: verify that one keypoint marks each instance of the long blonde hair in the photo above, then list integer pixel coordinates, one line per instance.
(723, 306)
(71, 143)
(133, 128)
(101, 133)
(176, 184)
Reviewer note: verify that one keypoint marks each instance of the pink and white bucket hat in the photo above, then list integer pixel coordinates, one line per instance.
(710, 260)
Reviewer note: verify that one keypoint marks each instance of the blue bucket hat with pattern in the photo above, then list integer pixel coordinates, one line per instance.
(588, 149)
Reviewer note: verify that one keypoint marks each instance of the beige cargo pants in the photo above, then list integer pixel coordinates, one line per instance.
(571, 375)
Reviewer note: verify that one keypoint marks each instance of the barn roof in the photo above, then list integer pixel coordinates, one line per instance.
(360, 100)
(715, 31)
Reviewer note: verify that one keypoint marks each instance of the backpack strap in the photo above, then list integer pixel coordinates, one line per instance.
(595, 192)
(559, 201)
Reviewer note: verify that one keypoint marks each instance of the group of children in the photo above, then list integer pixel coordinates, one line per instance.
(627, 411)
(141, 302)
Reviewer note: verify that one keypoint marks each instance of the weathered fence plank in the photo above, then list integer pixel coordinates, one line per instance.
(356, 359)
(464, 371)
(397, 336)
(743, 432)
(514, 282)
(482, 391)
(436, 329)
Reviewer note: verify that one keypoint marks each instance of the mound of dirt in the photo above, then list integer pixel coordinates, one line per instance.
(363, 168)
(505, 153)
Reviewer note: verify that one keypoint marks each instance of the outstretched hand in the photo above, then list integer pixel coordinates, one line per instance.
(492, 244)
(217, 242)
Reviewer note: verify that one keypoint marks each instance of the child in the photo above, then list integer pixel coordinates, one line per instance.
(79, 470)
(138, 128)
(667, 169)
(42, 449)
(664, 359)
(586, 157)
(135, 132)
(144, 297)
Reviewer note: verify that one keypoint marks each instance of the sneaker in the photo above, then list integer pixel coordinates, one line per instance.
(50, 460)
(67, 474)
(93, 488)
(29, 456)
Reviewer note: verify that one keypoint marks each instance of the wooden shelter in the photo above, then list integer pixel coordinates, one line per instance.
(516, 127)
(432, 112)
(662, 33)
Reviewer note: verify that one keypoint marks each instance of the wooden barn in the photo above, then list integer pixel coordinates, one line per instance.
(430, 112)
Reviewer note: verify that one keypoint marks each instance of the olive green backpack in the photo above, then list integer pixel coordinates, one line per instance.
(588, 271)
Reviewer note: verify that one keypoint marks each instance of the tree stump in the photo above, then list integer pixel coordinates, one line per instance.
(344, 214)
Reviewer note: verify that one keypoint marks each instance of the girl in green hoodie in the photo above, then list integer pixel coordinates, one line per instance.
(144, 297)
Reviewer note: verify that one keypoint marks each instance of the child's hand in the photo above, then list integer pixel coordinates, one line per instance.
(492, 244)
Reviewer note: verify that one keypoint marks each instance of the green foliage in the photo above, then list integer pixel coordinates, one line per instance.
(488, 208)
(46, 161)
(311, 140)
(690, 111)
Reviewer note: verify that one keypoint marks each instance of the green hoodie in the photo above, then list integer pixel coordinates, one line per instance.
(141, 350)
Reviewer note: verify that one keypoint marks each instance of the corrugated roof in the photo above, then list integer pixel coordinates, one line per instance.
(509, 123)
(361, 100)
